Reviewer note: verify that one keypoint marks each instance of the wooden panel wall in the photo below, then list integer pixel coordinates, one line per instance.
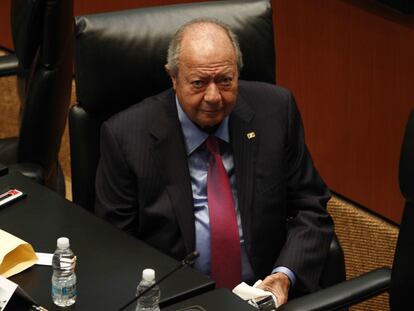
(350, 65)
(5, 33)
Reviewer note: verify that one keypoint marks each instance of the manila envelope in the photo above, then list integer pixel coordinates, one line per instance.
(16, 255)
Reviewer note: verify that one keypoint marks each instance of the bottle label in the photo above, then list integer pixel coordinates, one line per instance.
(66, 292)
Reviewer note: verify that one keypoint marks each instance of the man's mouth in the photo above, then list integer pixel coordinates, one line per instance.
(210, 111)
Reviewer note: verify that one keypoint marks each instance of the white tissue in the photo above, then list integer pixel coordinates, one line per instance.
(251, 293)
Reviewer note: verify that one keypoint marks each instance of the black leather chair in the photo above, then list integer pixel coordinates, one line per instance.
(42, 33)
(399, 280)
(120, 58)
(402, 288)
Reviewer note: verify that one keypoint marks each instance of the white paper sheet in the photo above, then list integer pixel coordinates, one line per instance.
(7, 289)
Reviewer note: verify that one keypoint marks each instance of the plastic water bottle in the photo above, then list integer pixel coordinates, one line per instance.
(150, 300)
(64, 277)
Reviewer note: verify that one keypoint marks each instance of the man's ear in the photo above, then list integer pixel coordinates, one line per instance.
(173, 77)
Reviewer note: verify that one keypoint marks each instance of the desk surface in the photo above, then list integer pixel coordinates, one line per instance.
(216, 300)
(109, 261)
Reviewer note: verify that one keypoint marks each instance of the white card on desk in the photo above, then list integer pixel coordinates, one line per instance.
(44, 259)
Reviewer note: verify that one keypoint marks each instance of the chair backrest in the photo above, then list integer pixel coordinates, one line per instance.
(120, 58)
(43, 37)
(402, 289)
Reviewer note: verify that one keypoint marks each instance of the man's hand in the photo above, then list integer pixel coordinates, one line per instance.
(279, 284)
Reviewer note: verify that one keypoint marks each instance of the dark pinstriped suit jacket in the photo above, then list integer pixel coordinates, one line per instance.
(143, 183)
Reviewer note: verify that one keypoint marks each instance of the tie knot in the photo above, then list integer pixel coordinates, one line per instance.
(212, 144)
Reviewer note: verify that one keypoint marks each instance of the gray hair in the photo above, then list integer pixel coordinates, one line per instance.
(175, 43)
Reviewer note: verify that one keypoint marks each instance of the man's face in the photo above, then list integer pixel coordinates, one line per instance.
(207, 79)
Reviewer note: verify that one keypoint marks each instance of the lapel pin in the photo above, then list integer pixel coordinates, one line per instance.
(251, 135)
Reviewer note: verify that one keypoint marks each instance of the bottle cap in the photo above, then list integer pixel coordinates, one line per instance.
(63, 243)
(148, 275)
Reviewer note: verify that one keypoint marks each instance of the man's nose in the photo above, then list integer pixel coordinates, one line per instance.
(212, 94)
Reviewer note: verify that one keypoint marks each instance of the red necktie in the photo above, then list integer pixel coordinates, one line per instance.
(224, 232)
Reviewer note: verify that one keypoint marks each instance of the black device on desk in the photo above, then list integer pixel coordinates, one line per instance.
(109, 260)
(22, 301)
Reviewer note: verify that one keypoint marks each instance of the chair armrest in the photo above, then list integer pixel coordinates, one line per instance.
(343, 294)
(9, 65)
(30, 170)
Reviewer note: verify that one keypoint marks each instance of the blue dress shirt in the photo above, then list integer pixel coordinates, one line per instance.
(198, 157)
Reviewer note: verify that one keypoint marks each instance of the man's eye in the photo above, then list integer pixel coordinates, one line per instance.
(197, 84)
(226, 81)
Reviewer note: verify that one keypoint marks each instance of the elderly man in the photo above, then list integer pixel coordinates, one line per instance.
(220, 166)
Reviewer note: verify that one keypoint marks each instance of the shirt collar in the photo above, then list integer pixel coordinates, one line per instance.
(194, 136)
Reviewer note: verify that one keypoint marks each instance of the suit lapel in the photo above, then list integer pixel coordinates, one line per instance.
(169, 152)
(243, 141)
